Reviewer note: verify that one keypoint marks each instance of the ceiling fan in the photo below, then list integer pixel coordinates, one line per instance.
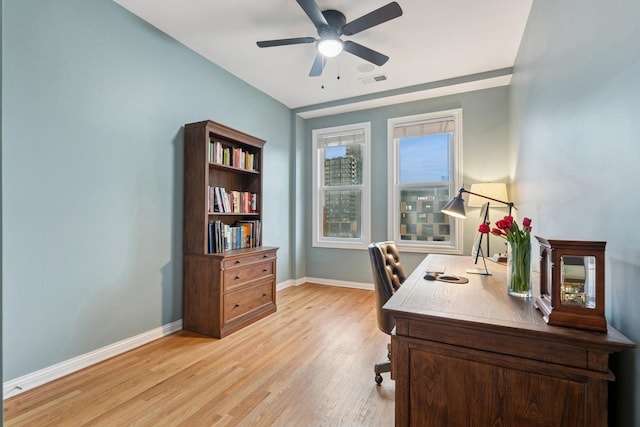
(331, 24)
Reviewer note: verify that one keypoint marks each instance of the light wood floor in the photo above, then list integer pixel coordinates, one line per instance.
(309, 364)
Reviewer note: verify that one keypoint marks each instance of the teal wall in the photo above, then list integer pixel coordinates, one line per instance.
(574, 130)
(93, 104)
(484, 158)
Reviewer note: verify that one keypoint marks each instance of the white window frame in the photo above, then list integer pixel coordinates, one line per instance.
(318, 185)
(455, 245)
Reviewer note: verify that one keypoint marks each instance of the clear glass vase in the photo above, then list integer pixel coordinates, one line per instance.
(519, 269)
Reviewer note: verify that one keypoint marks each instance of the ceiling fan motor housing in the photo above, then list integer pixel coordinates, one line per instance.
(336, 21)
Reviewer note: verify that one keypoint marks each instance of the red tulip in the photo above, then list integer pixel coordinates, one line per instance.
(502, 224)
(484, 228)
(509, 220)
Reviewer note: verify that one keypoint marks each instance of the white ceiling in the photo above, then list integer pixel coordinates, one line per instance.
(433, 40)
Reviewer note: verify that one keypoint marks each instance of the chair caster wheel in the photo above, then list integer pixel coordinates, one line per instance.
(378, 379)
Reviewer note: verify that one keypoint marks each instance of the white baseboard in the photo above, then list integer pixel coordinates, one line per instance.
(27, 382)
(331, 282)
(286, 284)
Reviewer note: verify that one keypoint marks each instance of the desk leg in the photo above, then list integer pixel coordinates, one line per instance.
(400, 373)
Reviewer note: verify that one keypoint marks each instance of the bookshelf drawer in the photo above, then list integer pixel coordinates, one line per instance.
(244, 301)
(238, 277)
(250, 259)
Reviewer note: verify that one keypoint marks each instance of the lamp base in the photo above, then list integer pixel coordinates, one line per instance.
(482, 271)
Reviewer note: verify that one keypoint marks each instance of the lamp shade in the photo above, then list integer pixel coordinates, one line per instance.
(492, 190)
(455, 207)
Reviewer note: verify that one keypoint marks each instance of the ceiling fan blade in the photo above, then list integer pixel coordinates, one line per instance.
(314, 13)
(318, 66)
(371, 19)
(284, 42)
(365, 53)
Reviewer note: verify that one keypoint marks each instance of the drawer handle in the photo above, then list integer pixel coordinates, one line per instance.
(237, 261)
(236, 306)
(264, 270)
(237, 276)
(264, 295)
(265, 256)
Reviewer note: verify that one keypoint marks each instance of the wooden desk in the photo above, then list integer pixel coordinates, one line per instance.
(470, 355)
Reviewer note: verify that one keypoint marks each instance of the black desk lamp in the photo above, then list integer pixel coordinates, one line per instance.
(455, 208)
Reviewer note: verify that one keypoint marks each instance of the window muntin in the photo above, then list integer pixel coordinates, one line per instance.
(424, 167)
(341, 186)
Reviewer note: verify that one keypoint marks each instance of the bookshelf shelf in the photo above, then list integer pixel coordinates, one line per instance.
(232, 168)
(234, 214)
(229, 277)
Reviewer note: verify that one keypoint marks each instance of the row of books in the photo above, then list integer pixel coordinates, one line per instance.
(232, 156)
(242, 234)
(223, 201)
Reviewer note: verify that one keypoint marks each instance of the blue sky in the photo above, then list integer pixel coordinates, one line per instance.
(424, 158)
(333, 152)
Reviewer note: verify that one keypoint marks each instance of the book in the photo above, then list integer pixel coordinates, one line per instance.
(215, 152)
(236, 157)
(226, 156)
(221, 200)
(219, 237)
(251, 232)
(212, 237)
(225, 200)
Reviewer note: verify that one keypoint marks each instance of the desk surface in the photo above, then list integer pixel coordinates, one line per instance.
(483, 302)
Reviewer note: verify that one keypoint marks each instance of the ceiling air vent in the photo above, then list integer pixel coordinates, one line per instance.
(374, 79)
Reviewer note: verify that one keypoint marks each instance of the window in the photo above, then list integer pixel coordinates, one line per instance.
(341, 196)
(425, 154)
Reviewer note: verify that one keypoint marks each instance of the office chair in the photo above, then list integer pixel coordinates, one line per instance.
(388, 275)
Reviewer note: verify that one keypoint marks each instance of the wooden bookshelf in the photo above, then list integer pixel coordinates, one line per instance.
(229, 277)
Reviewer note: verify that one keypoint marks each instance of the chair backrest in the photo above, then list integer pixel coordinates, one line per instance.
(388, 275)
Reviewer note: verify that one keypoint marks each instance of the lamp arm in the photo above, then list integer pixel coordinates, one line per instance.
(510, 204)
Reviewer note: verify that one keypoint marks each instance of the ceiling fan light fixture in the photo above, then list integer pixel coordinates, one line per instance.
(330, 47)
